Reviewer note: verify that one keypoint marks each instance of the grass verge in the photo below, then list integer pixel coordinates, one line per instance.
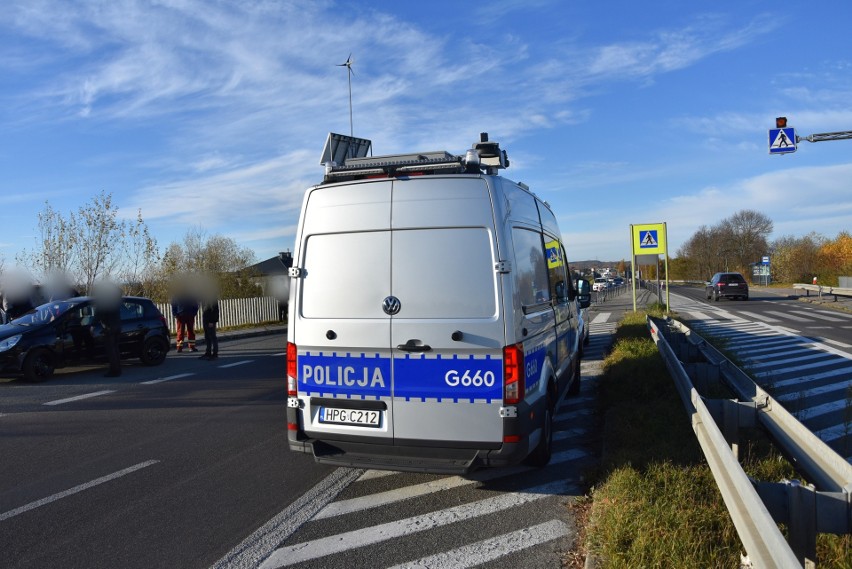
(654, 502)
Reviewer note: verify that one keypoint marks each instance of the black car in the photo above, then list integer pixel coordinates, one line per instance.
(728, 285)
(67, 332)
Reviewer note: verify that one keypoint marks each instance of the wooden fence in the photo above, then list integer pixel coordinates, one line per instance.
(234, 312)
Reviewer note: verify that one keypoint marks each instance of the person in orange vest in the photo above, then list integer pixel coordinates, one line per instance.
(184, 309)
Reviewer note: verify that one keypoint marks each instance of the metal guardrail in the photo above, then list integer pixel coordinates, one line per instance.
(821, 290)
(757, 507)
(600, 296)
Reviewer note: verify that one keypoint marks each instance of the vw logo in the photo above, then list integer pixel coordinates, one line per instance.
(391, 305)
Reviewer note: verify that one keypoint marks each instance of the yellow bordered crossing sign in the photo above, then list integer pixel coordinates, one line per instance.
(649, 239)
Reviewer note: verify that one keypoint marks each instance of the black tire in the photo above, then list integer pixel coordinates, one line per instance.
(574, 387)
(540, 456)
(39, 365)
(154, 351)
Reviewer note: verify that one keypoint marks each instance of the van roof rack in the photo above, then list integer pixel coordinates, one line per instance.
(345, 158)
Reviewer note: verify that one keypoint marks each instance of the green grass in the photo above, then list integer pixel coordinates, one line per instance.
(654, 501)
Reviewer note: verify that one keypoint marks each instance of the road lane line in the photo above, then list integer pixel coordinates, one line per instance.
(235, 364)
(169, 378)
(322, 547)
(76, 489)
(487, 550)
(79, 397)
(836, 343)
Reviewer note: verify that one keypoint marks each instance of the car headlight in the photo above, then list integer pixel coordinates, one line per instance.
(9, 343)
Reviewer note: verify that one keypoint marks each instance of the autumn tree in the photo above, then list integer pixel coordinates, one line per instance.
(91, 244)
(214, 255)
(794, 259)
(834, 259)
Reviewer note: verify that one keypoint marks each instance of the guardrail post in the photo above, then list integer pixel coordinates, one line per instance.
(801, 501)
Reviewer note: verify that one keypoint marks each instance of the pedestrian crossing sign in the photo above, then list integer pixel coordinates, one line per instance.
(782, 140)
(649, 239)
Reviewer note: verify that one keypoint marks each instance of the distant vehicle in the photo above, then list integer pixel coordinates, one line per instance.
(618, 281)
(728, 285)
(66, 332)
(600, 284)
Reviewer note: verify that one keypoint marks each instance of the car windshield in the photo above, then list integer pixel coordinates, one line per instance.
(44, 313)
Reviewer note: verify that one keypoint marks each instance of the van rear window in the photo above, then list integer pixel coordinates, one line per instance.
(444, 273)
(347, 275)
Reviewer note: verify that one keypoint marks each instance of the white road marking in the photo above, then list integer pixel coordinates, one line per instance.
(235, 364)
(79, 397)
(846, 371)
(601, 318)
(787, 370)
(812, 356)
(378, 499)
(487, 550)
(371, 474)
(76, 489)
(815, 314)
(788, 316)
(760, 317)
(836, 343)
(169, 378)
(322, 547)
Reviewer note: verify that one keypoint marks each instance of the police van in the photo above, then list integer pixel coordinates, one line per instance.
(433, 320)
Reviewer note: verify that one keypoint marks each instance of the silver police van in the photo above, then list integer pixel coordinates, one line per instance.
(433, 319)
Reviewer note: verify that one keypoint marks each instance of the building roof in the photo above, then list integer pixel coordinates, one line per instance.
(277, 265)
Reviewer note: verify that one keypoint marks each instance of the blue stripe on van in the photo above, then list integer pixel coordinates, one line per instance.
(457, 379)
(347, 375)
(417, 377)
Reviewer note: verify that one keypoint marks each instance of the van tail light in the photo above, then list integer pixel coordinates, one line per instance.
(513, 374)
(292, 377)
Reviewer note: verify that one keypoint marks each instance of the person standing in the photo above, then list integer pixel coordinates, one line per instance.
(185, 309)
(209, 320)
(108, 313)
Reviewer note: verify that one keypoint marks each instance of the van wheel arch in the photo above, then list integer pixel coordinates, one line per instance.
(541, 454)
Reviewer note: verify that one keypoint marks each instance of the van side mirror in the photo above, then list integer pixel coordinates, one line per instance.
(584, 293)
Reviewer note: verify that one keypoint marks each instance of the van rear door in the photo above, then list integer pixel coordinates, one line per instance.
(447, 335)
(342, 333)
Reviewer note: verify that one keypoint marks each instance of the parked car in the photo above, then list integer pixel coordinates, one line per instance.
(66, 332)
(728, 285)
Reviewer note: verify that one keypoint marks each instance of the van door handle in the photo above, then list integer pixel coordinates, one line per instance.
(414, 345)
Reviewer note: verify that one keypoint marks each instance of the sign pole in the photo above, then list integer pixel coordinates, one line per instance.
(665, 232)
(633, 267)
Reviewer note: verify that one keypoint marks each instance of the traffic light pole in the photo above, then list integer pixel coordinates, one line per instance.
(844, 135)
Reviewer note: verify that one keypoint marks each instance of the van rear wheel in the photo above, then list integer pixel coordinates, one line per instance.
(541, 455)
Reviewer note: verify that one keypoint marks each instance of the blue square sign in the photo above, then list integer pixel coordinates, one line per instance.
(782, 140)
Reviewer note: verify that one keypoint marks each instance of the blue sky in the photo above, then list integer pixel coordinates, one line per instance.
(213, 114)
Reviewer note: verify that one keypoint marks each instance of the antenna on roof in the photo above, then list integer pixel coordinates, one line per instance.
(348, 65)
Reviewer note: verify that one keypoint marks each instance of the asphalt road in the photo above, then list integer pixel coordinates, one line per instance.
(778, 307)
(800, 352)
(166, 474)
